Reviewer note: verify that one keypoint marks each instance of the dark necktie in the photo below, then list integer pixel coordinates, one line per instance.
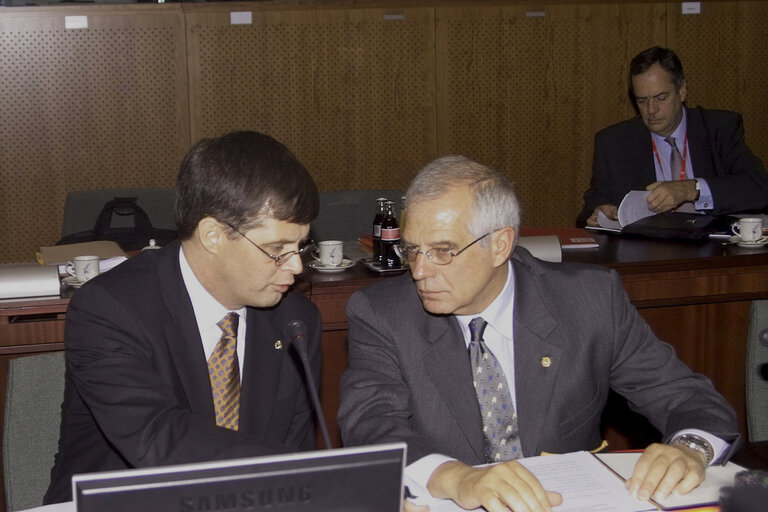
(675, 160)
(224, 371)
(496, 406)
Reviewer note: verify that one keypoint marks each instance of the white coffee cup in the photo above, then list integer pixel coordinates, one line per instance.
(329, 253)
(83, 268)
(749, 229)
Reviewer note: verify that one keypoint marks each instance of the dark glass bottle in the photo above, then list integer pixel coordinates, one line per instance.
(376, 237)
(390, 236)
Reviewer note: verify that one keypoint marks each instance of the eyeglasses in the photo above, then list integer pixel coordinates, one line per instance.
(438, 256)
(279, 260)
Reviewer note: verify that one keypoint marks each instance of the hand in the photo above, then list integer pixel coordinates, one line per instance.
(609, 210)
(664, 468)
(499, 488)
(668, 195)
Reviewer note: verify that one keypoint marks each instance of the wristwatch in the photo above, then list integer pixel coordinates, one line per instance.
(696, 443)
(698, 189)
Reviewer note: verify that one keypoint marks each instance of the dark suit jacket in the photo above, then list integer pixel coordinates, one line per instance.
(409, 376)
(623, 160)
(137, 390)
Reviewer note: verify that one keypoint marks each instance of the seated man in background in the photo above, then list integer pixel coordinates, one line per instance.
(680, 155)
(175, 355)
(552, 337)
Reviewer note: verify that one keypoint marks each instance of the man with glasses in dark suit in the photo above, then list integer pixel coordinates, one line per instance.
(177, 355)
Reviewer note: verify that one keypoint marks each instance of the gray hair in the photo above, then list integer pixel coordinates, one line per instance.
(495, 203)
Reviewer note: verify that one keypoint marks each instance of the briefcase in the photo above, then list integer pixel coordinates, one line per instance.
(691, 226)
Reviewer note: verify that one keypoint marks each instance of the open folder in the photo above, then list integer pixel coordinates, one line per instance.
(596, 483)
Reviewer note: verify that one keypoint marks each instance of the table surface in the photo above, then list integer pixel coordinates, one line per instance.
(625, 253)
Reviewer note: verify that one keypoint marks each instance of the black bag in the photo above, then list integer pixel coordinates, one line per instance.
(691, 226)
(128, 238)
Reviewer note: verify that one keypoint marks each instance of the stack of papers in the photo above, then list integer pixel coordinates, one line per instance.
(595, 483)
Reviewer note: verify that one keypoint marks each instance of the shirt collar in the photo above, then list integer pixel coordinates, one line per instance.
(499, 312)
(678, 134)
(208, 311)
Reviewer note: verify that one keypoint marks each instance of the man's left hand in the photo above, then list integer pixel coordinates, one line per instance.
(668, 195)
(665, 468)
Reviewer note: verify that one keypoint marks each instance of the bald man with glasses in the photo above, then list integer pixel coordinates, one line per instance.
(178, 355)
(484, 354)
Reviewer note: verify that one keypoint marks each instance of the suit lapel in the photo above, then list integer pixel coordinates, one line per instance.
(182, 335)
(698, 145)
(641, 157)
(534, 327)
(447, 363)
(261, 371)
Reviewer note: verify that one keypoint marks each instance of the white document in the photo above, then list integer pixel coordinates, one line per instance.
(587, 485)
(584, 482)
(633, 207)
(706, 493)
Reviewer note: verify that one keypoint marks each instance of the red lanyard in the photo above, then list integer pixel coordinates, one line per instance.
(685, 156)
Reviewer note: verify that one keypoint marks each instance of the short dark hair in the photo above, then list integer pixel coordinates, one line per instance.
(666, 58)
(239, 179)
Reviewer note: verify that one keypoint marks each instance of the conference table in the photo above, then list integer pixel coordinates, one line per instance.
(696, 295)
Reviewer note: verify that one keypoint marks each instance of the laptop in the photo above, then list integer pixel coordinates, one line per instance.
(359, 479)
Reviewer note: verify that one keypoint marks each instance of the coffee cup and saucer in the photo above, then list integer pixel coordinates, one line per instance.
(748, 233)
(329, 257)
(81, 269)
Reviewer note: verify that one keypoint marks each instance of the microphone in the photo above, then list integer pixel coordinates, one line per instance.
(297, 336)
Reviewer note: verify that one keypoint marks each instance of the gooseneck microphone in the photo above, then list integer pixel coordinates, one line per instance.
(297, 335)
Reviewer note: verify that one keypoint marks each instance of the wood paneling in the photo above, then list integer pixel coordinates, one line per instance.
(363, 93)
(98, 107)
(351, 92)
(524, 91)
(724, 51)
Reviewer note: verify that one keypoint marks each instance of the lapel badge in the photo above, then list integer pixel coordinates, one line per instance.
(546, 362)
(278, 345)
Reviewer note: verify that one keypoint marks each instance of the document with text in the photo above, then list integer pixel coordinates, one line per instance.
(588, 485)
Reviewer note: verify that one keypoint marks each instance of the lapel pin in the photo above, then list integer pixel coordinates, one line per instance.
(278, 345)
(546, 362)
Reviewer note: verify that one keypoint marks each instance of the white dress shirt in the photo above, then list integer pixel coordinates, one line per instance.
(208, 312)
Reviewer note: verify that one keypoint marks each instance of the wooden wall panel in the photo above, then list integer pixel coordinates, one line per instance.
(525, 94)
(99, 107)
(364, 95)
(724, 51)
(351, 92)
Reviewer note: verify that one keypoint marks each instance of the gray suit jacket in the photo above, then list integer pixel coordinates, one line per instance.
(409, 376)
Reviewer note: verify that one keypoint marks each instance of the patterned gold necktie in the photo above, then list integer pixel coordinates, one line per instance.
(224, 371)
(496, 407)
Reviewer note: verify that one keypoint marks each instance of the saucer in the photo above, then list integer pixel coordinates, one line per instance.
(757, 243)
(345, 264)
(71, 281)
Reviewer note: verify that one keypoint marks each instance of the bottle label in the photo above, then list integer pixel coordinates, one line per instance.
(390, 234)
(377, 230)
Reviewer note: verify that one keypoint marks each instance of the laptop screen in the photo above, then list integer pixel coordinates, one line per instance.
(360, 479)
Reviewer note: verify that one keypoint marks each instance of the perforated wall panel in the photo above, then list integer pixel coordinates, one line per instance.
(724, 51)
(524, 91)
(350, 92)
(96, 107)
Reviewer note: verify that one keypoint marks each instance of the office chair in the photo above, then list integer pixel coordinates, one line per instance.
(757, 372)
(82, 207)
(31, 430)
